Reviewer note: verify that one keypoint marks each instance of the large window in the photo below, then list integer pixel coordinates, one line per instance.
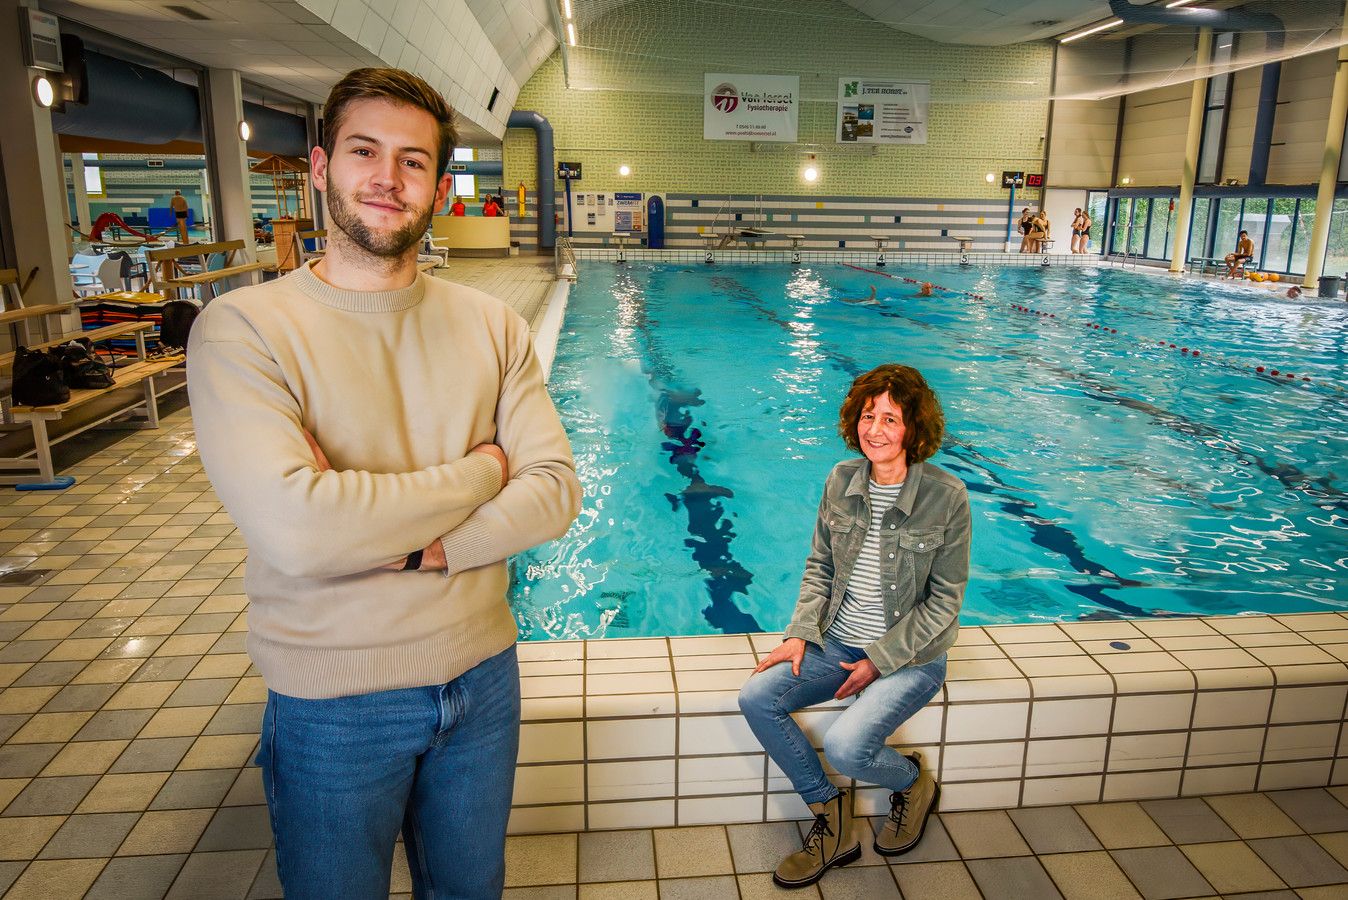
(1198, 228)
(1158, 232)
(1228, 225)
(1300, 236)
(1214, 116)
(1096, 204)
(1336, 256)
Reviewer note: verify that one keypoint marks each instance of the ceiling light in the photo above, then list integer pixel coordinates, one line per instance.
(566, 8)
(244, 131)
(43, 92)
(1125, 180)
(1174, 3)
(571, 32)
(811, 173)
(624, 170)
(1092, 30)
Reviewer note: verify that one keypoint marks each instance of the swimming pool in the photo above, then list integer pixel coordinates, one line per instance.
(1110, 474)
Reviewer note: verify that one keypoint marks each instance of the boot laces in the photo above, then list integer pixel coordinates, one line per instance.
(898, 808)
(816, 835)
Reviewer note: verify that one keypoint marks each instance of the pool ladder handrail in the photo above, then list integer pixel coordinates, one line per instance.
(564, 259)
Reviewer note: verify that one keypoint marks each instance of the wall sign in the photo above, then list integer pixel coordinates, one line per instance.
(750, 107)
(871, 111)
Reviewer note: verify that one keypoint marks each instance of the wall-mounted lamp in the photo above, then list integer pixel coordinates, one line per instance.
(990, 178)
(624, 170)
(43, 92)
(1125, 180)
(244, 131)
(810, 173)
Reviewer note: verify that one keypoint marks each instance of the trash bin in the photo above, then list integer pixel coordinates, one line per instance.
(1329, 285)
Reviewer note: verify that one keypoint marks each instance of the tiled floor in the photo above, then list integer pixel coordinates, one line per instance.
(521, 281)
(129, 716)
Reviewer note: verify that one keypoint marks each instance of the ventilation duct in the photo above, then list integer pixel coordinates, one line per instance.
(547, 185)
(1216, 19)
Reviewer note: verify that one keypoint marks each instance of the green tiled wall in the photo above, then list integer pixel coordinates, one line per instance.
(643, 106)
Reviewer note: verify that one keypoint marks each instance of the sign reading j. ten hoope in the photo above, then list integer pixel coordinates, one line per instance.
(750, 107)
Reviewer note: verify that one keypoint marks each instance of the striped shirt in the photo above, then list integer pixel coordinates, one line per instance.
(861, 617)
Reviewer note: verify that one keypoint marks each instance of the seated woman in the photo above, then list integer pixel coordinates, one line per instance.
(878, 609)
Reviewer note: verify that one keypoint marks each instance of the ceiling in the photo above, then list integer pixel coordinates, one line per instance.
(301, 48)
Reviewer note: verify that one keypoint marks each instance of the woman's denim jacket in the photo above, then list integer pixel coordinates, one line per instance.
(924, 562)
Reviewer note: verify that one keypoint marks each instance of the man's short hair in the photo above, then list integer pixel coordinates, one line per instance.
(394, 85)
(1246, 233)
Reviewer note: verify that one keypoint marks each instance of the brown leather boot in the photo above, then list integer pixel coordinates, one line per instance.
(908, 813)
(829, 843)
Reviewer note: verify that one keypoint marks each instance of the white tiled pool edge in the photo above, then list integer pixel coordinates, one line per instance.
(646, 732)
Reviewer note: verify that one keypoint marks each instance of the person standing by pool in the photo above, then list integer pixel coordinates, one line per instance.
(878, 609)
(384, 441)
(1081, 230)
(1025, 224)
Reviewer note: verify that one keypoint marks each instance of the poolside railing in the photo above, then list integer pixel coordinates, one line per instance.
(564, 259)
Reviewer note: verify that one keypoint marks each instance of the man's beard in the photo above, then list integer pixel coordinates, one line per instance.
(386, 245)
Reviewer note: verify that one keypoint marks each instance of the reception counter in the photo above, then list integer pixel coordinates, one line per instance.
(472, 235)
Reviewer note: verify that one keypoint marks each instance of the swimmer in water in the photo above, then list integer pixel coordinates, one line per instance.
(925, 290)
(1293, 292)
(870, 299)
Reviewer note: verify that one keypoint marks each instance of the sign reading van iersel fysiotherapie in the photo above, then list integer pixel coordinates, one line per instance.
(871, 111)
(750, 107)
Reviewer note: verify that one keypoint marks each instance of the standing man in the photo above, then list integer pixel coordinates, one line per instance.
(383, 440)
(178, 203)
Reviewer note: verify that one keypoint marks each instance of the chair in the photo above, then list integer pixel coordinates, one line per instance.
(431, 248)
(85, 271)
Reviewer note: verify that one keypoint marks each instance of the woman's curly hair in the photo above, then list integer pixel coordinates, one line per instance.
(923, 421)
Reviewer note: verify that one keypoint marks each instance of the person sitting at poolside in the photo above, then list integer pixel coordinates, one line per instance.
(870, 299)
(852, 630)
(1244, 253)
(1038, 232)
(1024, 225)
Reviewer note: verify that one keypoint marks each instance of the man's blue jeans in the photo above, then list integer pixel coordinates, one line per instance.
(855, 743)
(342, 776)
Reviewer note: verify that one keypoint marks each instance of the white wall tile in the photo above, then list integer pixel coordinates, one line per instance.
(631, 780)
(1138, 662)
(720, 810)
(1225, 746)
(535, 785)
(721, 775)
(986, 721)
(551, 741)
(552, 686)
(640, 814)
(981, 762)
(629, 683)
(785, 807)
(634, 738)
(618, 648)
(1284, 776)
(551, 708)
(923, 728)
(1290, 742)
(602, 666)
(1052, 718)
(1066, 756)
(1055, 791)
(1141, 785)
(988, 795)
(709, 702)
(1223, 780)
(713, 679)
(1017, 688)
(1215, 709)
(1308, 704)
(1085, 683)
(530, 651)
(546, 819)
(604, 706)
(1128, 752)
(716, 734)
(687, 663)
(1152, 712)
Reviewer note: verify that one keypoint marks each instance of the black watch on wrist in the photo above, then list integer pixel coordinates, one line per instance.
(413, 561)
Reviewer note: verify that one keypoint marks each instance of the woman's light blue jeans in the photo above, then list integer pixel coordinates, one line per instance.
(855, 743)
(342, 776)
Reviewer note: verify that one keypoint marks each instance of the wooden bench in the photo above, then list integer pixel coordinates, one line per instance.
(1216, 262)
(93, 335)
(14, 313)
(168, 275)
(142, 373)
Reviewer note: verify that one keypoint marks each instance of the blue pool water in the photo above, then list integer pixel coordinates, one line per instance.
(1109, 475)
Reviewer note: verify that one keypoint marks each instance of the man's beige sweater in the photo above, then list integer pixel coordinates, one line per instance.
(396, 387)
